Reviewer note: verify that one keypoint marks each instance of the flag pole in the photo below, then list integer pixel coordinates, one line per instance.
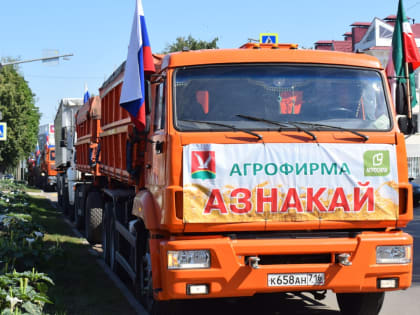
(407, 77)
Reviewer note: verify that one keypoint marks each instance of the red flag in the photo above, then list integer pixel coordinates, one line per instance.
(412, 54)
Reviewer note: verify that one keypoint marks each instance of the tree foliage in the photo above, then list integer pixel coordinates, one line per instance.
(17, 105)
(190, 43)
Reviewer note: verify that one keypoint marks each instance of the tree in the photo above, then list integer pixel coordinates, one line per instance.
(17, 104)
(190, 43)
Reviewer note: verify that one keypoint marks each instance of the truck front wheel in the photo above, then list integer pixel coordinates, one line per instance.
(144, 283)
(66, 204)
(360, 303)
(93, 217)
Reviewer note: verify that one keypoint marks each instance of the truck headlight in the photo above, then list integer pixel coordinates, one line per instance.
(398, 254)
(188, 259)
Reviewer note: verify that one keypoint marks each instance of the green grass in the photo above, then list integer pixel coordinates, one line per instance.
(81, 285)
(32, 189)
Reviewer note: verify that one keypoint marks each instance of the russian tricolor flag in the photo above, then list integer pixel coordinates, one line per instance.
(86, 95)
(37, 151)
(139, 61)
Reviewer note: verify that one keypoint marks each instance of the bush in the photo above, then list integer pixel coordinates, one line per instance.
(21, 248)
(23, 293)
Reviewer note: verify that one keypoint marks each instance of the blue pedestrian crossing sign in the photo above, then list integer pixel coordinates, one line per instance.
(269, 38)
(3, 131)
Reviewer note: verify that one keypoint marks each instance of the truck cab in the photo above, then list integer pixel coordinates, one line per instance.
(273, 169)
(48, 172)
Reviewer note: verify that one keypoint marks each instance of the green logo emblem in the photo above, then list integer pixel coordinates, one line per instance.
(376, 163)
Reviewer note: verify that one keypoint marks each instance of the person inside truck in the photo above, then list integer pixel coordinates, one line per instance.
(371, 107)
(194, 103)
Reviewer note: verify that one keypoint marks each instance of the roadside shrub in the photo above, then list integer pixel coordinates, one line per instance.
(24, 292)
(21, 248)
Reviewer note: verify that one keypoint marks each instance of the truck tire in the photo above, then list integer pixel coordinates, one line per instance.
(59, 192)
(144, 283)
(106, 215)
(93, 217)
(45, 183)
(78, 208)
(65, 207)
(70, 209)
(360, 303)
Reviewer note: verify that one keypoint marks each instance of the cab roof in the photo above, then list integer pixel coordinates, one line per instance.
(264, 55)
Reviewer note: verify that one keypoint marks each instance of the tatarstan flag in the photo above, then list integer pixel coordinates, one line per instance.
(404, 49)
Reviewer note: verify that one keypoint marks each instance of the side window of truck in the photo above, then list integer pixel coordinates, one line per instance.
(159, 109)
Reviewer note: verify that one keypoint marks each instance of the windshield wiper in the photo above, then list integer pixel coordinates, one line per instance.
(280, 124)
(365, 138)
(223, 125)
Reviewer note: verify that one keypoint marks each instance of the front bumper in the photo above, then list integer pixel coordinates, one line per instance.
(230, 276)
(52, 180)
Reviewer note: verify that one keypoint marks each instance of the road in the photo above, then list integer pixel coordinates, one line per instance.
(405, 302)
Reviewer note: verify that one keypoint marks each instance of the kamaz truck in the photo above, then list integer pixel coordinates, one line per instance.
(65, 125)
(45, 173)
(264, 169)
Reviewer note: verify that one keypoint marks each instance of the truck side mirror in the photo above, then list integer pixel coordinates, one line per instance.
(401, 106)
(63, 133)
(406, 125)
(403, 124)
(149, 97)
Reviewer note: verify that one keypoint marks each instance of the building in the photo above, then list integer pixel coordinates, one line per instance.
(375, 38)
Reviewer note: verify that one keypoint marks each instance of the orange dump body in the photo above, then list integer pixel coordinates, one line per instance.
(88, 129)
(118, 135)
(116, 128)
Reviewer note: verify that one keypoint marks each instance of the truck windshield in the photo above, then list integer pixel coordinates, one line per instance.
(351, 98)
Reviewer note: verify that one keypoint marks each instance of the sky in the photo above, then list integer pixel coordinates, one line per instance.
(97, 33)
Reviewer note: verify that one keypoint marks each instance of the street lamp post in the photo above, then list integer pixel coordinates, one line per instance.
(37, 59)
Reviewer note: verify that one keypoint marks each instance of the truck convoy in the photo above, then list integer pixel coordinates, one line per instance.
(262, 169)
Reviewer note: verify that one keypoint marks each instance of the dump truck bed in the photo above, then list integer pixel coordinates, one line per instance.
(88, 129)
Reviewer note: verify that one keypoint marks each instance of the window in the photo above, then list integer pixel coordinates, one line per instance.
(344, 97)
(159, 115)
(384, 33)
(371, 36)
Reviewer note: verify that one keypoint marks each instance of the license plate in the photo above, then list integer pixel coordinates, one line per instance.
(295, 279)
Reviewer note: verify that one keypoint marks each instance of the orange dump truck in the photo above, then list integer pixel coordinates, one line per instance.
(263, 169)
(48, 171)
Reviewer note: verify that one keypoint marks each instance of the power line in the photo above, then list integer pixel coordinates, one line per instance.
(415, 4)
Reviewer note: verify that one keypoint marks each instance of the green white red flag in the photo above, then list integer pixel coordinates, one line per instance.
(404, 50)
